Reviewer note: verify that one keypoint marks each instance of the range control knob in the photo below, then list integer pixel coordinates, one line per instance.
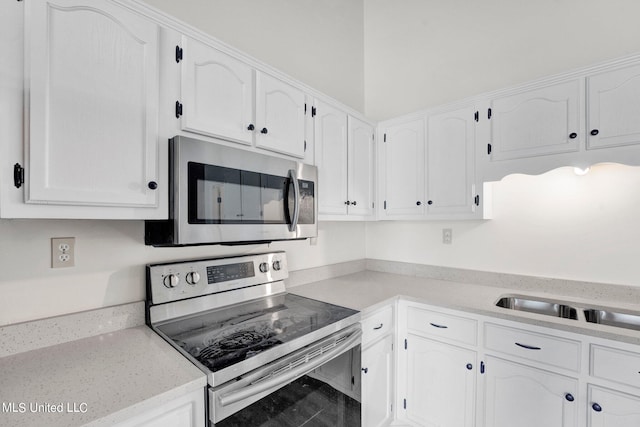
(171, 280)
(193, 277)
(276, 265)
(264, 267)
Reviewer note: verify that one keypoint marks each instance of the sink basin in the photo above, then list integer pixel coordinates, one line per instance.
(540, 306)
(613, 318)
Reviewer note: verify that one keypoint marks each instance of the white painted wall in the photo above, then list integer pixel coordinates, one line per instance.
(320, 43)
(556, 225)
(110, 260)
(423, 53)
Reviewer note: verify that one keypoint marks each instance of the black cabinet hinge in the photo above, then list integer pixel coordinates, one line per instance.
(385, 138)
(305, 146)
(313, 111)
(305, 108)
(178, 54)
(405, 343)
(482, 367)
(404, 403)
(489, 114)
(18, 175)
(178, 109)
(385, 204)
(476, 116)
(476, 200)
(353, 380)
(488, 148)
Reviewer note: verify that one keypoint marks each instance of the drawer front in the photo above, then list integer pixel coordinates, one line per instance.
(615, 365)
(377, 325)
(547, 349)
(440, 325)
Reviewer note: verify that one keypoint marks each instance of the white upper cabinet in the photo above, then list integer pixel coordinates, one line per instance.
(450, 167)
(536, 122)
(345, 160)
(402, 161)
(279, 122)
(330, 128)
(217, 93)
(361, 168)
(613, 108)
(91, 78)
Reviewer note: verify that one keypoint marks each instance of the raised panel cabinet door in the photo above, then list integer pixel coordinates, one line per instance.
(279, 116)
(450, 162)
(217, 93)
(377, 383)
(92, 85)
(361, 169)
(521, 395)
(331, 158)
(613, 108)
(404, 169)
(536, 122)
(441, 383)
(610, 408)
(183, 411)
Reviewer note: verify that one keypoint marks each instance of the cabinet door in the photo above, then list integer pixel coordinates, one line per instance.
(92, 80)
(450, 162)
(615, 409)
(217, 93)
(279, 116)
(528, 397)
(404, 169)
(613, 108)
(377, 383)
(184, 411)
(536, 122)
(361, 170)
(331, 158)
(441, 384)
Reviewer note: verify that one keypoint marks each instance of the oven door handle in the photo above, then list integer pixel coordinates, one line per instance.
(296, 200)
(253, 389)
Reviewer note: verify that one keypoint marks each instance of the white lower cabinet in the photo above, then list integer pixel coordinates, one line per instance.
(377, 367)
(185, 411)
(377, 383)
(610, 408)
(441, 384)
(524, 396)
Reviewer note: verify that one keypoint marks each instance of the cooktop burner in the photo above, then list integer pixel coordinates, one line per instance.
(221, 338)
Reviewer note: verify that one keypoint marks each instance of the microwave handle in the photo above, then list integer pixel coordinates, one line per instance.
(296, 197)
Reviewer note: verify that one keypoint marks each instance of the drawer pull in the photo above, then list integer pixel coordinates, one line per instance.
(528, 347)
(378, 327)
(435, 325)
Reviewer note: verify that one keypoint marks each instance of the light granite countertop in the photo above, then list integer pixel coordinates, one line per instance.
(112, 376)
(368, 290)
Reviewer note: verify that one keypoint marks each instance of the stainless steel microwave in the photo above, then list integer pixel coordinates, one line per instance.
(224, 195)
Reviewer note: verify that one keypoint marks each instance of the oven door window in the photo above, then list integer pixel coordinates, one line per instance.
(219, 195)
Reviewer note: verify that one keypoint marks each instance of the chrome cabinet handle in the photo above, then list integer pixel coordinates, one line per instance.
(296, 201)
(528, 347)
(378, 327)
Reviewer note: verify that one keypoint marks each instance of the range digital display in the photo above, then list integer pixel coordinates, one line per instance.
(224, 273)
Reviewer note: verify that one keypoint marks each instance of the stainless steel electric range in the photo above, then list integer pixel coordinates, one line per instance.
(271, 358)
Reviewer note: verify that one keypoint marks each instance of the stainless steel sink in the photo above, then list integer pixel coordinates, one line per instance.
(613, 318)
(538, 305)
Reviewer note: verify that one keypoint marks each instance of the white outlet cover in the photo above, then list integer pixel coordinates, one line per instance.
(63, 252)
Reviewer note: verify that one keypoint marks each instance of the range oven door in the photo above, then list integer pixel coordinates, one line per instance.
(230, 195)
(318, 385)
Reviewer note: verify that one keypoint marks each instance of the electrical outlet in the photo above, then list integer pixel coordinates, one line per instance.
(447, 236)
(63, 252)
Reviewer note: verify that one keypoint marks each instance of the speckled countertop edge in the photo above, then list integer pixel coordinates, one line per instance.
(115, 375)
(368, 290)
